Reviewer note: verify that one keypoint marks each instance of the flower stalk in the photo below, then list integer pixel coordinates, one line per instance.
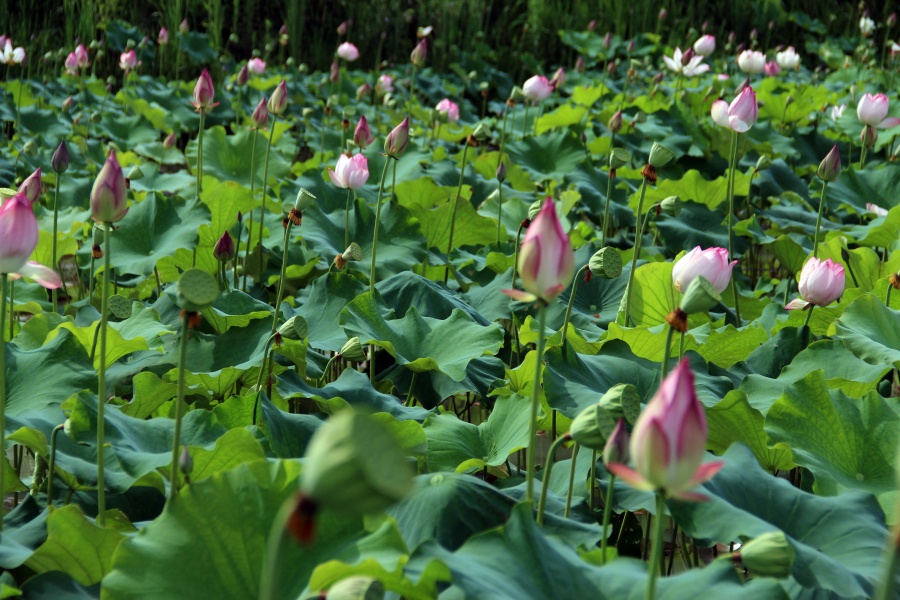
(179, 401)
(535, 403)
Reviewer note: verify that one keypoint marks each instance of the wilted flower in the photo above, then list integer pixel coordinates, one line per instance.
(821, 283)
(706, 45)
(449, 109)
(693, 66)
(669, 440)
(257, 66)
(109, 194)
(740, 115)
(350, 173)
(751, 61)
(711, 263)
(788, 59)
(348, 52)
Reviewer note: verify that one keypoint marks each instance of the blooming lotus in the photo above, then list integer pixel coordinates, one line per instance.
(866, 26)
(546, 260)
(18, 239)
(350, 173)
(348, 52)
(706, 45)
(693, 66)
(385, 84)
(257, 66)
(740, 115)
(449, 109)
(10, 55)
(751, 61)
(837, 112)
(711, 263)
(537, 88)
(788, 59)
(669, 441)
(873, 110)
(877, 210)
(821, 283)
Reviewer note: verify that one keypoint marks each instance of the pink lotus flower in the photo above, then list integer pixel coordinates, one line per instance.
(128, 61)
(169, 141)
(537, 88)
(204, 93)
(546, 260)
(706, 45)
(711, 263)
(163, 37)
(71, 64)
(873, 110)
(771, 69)
(31, 187)
(350, 173)
(740, 115)
(10, 55)
(278, 101)
(362, 135)
(257, 66)
(385, 84)
(81, 56)
(110, 192)
(397, 139)
(669, 441)
(449, 109)
(693, 66)
(348, 52)
(18, 239)
(821, 283)
(751, 61)
(788, 59)
(418, 54)
(260, 116)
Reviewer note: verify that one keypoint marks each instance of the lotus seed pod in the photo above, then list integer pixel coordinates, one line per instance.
(671, 206)
(534, 209)
(769, 555)
(6, 194)
(700, 296)
(605, 263)
(135, 173)
(352, 253)
(119, 306)
(197, 290)
(304, 200)
(97, 234)
(96, 118)
(619, 157)
(764, 162)
(294, 328)
(481, 132)
(660, 156)
(353, 350)
(592, 426)
(357, 587)
(622, 401)
(354, 466)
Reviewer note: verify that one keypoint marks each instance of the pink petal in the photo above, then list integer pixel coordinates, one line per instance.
(334, 179)
(629, 476)
(45, 276)
(520, 295)
(889, 122)
(797, 303)
(690, 496)
(706, 471)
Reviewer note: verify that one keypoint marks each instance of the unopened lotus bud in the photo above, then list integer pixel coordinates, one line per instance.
(700, 296)
(60, 160)
(185, 462)
(618, 158)
(592, 426)
(224, 249)
(304, 200)
(671, 206)
(67, 103)
(868, 136)
(622, 401)
(611, 67)
(397, 140)
(135, 173)
(260, 116)
(579, 64)
(481, 133)
(356, 587)
(363, 91)
(184, 27)
(605, 263)
(354, 466)
(169, 142)
(769, 555)
(615, 122)
(830, 167)
(660, 156)
(30, 148)
(687, 56)
(294, 328)
(616, 448)
(891, 20)
(96, 118)
(607, 40)
(501, 172)
(243, 76)
(764, 162)
(353, 350)
(197, 290)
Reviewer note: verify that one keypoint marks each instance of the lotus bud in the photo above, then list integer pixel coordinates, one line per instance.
(260, 116)
(184, 27)
(579, 64)
(169, 142)
(769, 555)
(185, 462)
(30, 148)
(616, 448)
(31, 187)
(711, 263)
(397, 139)
(417, 57)
(615, 122)
(67, 103)
(607, 40)
(204, 93)
(243, 76)
(356, 587)
(224, 249)
(362, 135)
(501, 172)
(591, 427)
(60, 160)
(868, 136)
(605, 263)
(353, 350)
(294, 328)
(546, 261)
(18, 233)
(622, 401)
(830, 167)
(764, 162)
(278, 101)
(660, 156)
(110, 192)
(362, 91)
(135, 173)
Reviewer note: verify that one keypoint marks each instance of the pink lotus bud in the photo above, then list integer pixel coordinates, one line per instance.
(67, 103)
(501, 172)
(362, 91)
(348, 52)
(669, 441)
(257, 66)
(128, 61)
(631, 46)
(821, 283)
(607, 40)
(891, 20)
(537, 88)
(204, 92)
(559, 78)
(60, 160)
(362, 135)
(169, 142)
(81, 56)
(663, 13)
(788, 59)
(110, 192)
(740, 115)
(592, 25)
(449, 109)
(342, 28)
(224, 249)
(615, 122)
(243, 76)
(18, 233)
(417, 56)
(397, 139)
(771, 69)
(830, 167)
(283, 30)
(687, 56)
(751, 61)
(706, 45)
(385, 84)
(350, 173)
(579, 64)
(546, 260)
(260, 116)
(616, 449)
(184, 27)
(71, 64)
(279, 99)
(335, 74)
(873, 110)
(711, 263)
(31, 187)
(163, 37)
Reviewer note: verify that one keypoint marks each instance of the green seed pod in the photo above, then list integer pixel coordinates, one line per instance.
(605, 263)
(135, 173)
(6, 194)
(97, 233)
(119, 306)
(354, 466)
(294, 328)
(769, 555)
(534, 209)
(618, 158)
(353, 350)
(197, 290)
(592, 426)
(356, 587)
(481, 132)
(763, 163)
(622, 401)
(671, 206)
(352, 253)
(700, 296)
(304, 200)
(660, 156)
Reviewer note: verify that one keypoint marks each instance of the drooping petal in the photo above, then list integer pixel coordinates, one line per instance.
(45, 276)
(520, 295)
(630, 476)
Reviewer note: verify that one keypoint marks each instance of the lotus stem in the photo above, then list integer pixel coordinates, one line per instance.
(262, 369)
(819, 221)
(731, 180)
(639, 226)
(347, 219)
(545, 480)
(462, 173)
(52, 465)
(377, 223)
(265, 186)
(575, 448)
(284, 261)
(607, 516)
(200, 152)
(657, 546)
(3, 279)
(668, 347)
(535, 403)
(499, 212)
(101, 380)
(605, 230)
(252, 197)
(53, 293)
(565, 325)
(179, 402)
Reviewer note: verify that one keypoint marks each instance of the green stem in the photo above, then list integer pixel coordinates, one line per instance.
(565, 324)
(3, 279)
(575, 448)
(262, 370)
(862, 155)
(637, 247)
(265, 185)
(200, 152)
(284, 261)
(607, 517)
(347, 219)
(53, 294)
(252, 197)
(819, 220)
(179, 402)
(665, 358)
(325, 370)
(657, 546)
(462, 174)
(503, 132)
(387, 161)
(499, 212)
(887, 297)
(540, 112)
(593, 478)
(731, 179)
(52, 466)
(101, 380)
(545, 480)
(535, 403)
(516, 255)
(605, 229)
(525, 122)
(412, 89)
(887, 587)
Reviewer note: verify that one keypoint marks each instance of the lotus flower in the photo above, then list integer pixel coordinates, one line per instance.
(71, 64)
(18, 239)
(350, 173)
(362, 135)
(751, 61)
(385, 84)
(204, 93)
(706, 45)
(711, 263)
(128, 61)
(693, 66)
(788, 59)
(874, 208)
(10, 55)
(397, 139)
(348, 52)
(449, 109)
(31, 187)
(163, 37)
(821, 283)
(740, 115)
(418, 54)
(873, 110)
(771, 69)
(669, 441)
(546, 261)
(278, 101)
(81, 56)
(537, 88)
(110, 192)
(866, 26)
(837, 112)
(362, 91)
(257, 66)
(260, 116)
